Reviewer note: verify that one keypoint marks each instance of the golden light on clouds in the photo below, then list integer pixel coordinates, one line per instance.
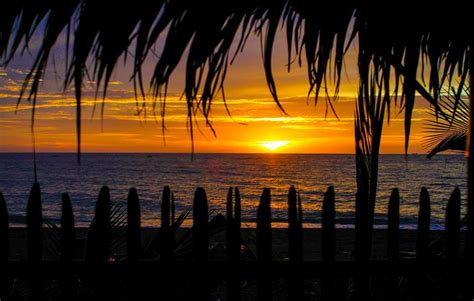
(255, 125)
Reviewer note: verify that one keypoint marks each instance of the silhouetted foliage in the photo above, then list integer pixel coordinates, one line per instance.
(206, 39)
(448, 131)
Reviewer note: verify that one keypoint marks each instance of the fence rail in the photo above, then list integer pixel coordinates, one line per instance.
(100, 275)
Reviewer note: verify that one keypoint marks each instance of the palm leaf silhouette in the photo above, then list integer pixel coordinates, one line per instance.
(204, 34)
(448, 132)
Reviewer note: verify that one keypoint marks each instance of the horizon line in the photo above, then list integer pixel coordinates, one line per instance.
(211, 153)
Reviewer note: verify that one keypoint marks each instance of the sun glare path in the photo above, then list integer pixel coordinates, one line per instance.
(273, 145)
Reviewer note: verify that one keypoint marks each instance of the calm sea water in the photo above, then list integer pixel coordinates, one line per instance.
(311, 174)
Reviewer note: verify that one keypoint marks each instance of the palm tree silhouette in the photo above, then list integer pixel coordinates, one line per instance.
(319, 36)
(394, 40)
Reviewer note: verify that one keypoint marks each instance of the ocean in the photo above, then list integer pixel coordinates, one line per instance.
(149, 173)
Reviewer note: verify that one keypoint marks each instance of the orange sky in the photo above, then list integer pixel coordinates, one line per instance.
(256, 124)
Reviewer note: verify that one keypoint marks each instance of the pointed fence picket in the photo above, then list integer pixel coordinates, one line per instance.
(264, 245)
(133, 226)
(4, 249)
(328, 242)
(423, 230)
(166, 236)
(233, 240)
(98, 268)
(453, 226)
(200, 243)
(67, 239)
(295, 243)
(393, 243)
(452, 231)
(34, 241)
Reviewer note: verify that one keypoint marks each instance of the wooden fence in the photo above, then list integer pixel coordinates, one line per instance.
(97, 275)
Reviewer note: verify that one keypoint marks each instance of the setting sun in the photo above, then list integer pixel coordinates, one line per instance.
(273, 145)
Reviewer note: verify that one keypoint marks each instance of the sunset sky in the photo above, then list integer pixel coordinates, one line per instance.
(256, 125)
